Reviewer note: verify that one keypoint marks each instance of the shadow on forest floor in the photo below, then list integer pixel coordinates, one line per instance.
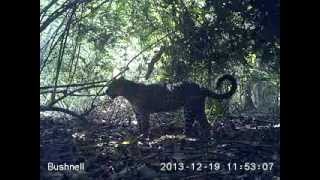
(246, 146)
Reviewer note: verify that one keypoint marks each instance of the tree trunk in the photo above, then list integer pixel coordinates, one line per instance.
(249, 105)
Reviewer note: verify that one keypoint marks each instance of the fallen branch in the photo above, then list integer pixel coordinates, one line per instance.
(64, 91)
(58, 109)
(75, 85)
(87, 95)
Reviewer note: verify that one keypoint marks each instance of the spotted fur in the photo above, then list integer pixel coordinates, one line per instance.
(154, 98)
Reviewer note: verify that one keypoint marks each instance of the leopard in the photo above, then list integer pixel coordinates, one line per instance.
(160, 97)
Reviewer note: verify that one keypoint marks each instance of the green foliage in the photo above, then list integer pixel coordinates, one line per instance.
(94, 40)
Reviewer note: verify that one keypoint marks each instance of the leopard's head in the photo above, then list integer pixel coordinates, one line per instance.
(116, 88)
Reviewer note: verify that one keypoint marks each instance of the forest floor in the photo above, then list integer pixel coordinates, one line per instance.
(244, 146)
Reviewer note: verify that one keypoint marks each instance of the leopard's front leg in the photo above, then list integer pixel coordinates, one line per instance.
(143, 122)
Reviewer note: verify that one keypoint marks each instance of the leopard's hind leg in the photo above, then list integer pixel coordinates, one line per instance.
(195, 110)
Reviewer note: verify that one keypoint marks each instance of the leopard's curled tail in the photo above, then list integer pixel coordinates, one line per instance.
(228, 77)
